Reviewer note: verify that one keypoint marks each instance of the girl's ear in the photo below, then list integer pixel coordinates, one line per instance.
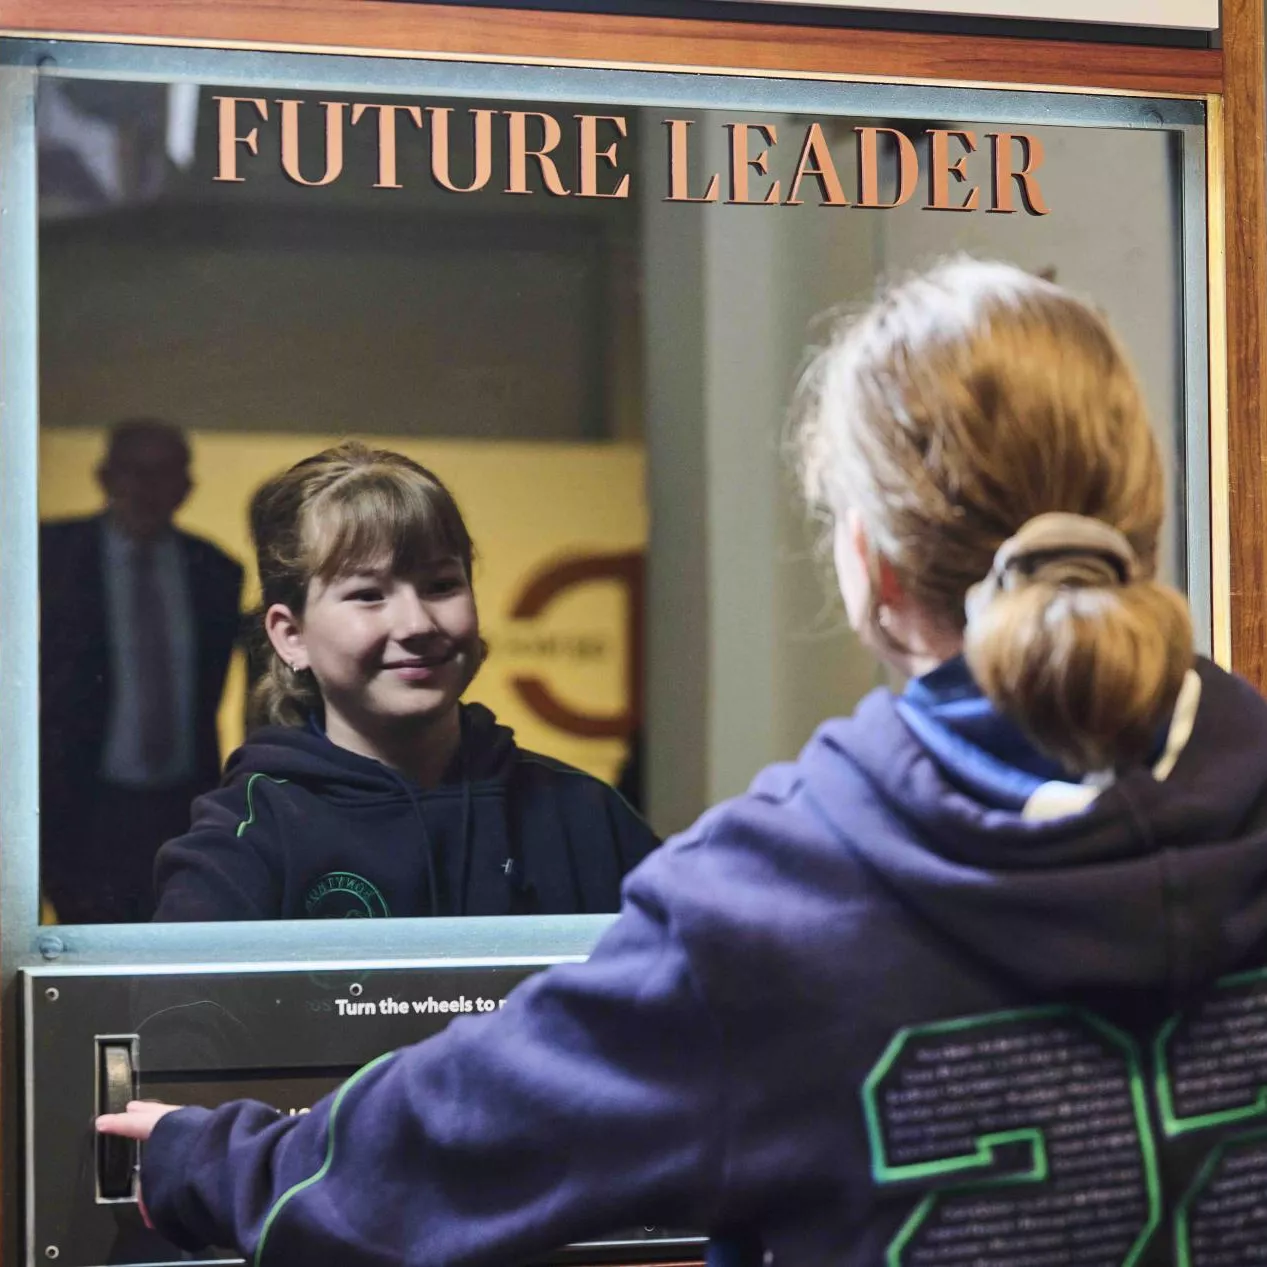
(849, 551)
(868, 582)
(285, 632)
(891, 593)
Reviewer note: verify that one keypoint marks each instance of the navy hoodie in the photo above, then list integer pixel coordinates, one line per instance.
(304, 829)
(908, 1001)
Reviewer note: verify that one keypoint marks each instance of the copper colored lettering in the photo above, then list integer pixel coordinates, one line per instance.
(228, 134)
(1025, 179)
(387, 138)
(869, 167)
(590, 154)
(334, 141)
(520, 153)
(679, 165)
(940, 169)
(483, 168)
(741, 160)
(816, 161)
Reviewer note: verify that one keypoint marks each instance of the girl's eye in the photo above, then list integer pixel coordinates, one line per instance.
(367, 595)
(445, 585)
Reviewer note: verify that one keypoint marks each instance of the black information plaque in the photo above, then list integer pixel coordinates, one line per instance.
(283, 1035)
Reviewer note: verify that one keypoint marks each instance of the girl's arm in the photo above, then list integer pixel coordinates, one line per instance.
(219, 869)
(593, 1101)
(631, 833)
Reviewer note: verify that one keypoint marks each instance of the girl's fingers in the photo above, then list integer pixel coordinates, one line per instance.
(137, 1122)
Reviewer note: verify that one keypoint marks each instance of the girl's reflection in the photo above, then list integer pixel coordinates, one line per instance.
(374, 791)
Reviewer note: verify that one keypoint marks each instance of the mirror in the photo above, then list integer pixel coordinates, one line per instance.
(587, 319)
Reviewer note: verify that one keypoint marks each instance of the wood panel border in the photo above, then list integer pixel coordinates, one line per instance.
(387, 28)
(1244, 497)
(400, 28)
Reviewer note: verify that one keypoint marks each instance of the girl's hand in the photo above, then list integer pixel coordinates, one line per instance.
(138, 1122)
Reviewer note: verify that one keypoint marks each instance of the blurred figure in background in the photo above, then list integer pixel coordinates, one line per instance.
(137, 624)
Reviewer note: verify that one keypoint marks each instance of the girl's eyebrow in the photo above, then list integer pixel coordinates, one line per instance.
(439, 564)
(364, 572)
(385, 571)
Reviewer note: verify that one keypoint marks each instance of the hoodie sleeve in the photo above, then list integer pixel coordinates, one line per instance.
(592, 1101)
(633, 836)
(219, 869)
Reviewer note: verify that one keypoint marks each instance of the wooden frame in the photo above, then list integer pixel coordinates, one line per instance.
(1243, 498)
(1232, 79)
(394, 28)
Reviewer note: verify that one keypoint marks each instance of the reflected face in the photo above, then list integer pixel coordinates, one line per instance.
(387, 649)
(146, 480)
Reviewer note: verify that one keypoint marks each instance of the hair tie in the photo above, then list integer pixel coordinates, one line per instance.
(1057, 549)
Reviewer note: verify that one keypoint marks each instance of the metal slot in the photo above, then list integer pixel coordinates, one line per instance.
(116, 1084)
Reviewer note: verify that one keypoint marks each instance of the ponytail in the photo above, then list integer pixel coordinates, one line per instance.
(975, 401)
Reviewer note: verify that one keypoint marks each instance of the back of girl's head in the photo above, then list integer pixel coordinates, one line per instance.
(963, 404)
(343, 509)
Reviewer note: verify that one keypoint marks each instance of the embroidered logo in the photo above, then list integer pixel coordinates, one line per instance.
(345, 895)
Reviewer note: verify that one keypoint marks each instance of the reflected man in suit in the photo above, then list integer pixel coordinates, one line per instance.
(137, 624)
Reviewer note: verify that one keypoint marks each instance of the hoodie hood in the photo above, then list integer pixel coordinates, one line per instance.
(305, 756)
(304, 829)
(446, 817)
(1157, 880)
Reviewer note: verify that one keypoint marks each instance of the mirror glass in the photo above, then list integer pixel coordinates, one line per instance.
(588, 321)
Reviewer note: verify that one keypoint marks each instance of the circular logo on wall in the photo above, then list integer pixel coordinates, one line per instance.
(345, 895)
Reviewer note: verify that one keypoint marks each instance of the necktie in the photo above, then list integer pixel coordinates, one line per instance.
(153, 663)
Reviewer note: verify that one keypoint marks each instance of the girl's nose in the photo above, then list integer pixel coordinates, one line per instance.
(414, 617)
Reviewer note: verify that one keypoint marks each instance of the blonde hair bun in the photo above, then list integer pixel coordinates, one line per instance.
(971, 416)
(1063, 636)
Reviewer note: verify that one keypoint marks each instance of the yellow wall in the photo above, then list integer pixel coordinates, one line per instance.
(526, 504)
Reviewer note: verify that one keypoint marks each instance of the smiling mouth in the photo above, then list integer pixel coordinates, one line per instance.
(420, 665)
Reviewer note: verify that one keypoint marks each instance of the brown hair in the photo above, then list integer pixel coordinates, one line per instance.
(964, 403)
(340, 509)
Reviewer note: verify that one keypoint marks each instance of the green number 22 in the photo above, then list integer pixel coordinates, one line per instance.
(1037, 1136)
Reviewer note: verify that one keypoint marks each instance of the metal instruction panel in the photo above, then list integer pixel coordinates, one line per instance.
(287, 1036)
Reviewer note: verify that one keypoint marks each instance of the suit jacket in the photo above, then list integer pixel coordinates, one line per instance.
(75, 661)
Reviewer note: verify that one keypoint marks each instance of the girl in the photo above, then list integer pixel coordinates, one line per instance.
(947, 989)
(375, 792)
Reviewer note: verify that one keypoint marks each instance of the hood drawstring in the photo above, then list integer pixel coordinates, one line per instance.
(433, 883)
(464, 773)
(314, 727)
(512, 868)
(464, 860)
(464, 863)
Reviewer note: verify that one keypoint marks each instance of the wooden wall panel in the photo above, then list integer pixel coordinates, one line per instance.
(1245, 154)
(387, 27)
